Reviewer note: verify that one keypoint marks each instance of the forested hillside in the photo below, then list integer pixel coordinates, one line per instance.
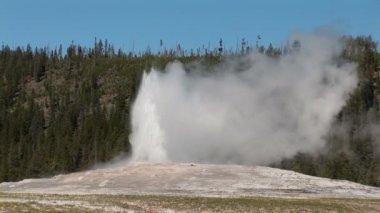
(63, 111)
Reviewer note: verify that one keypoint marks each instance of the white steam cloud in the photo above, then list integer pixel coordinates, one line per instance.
(254, 110)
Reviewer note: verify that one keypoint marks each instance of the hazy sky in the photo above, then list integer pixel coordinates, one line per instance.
(190, 23)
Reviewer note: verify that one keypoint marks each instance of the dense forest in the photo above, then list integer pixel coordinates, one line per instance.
(64, 111)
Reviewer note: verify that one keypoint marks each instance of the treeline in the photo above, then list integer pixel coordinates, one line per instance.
(352, 150)
(66, 110)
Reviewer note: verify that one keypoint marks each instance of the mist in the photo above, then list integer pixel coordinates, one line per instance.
(253, 109)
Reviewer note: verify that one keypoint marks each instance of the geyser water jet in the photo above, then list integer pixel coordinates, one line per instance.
(251, 110)
(150, 140)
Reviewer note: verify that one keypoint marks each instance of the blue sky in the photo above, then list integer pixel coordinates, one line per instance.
(192, 23)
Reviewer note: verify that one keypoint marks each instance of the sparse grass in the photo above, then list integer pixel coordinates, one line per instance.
(34, 207)
(156, 203)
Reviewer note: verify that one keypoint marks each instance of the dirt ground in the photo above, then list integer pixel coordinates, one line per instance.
(148, 203)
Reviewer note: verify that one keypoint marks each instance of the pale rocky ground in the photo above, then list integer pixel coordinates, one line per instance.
(193, 179)
(178, 180)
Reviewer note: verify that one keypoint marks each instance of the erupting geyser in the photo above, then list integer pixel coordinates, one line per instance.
(150, 140)
(252, 110)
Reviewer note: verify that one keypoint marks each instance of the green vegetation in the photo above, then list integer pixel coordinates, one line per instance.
(152, 203)
(64, 112)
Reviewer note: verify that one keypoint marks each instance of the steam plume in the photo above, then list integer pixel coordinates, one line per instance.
(252, 110)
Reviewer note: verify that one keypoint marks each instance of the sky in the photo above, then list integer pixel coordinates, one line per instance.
(137, 24)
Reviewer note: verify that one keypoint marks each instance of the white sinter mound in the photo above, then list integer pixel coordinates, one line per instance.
(193, 180)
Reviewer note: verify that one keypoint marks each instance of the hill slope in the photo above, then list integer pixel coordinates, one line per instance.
(64, 112)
